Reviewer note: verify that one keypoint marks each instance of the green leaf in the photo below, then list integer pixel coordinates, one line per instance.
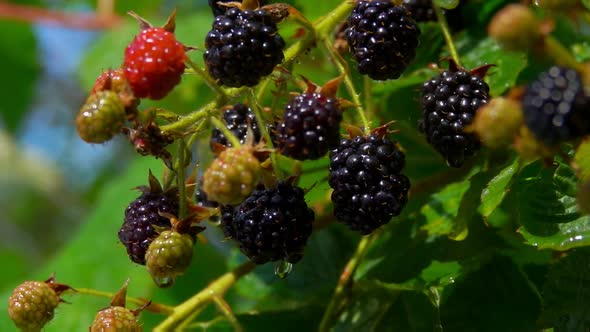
(495, 191)
(548, 211)
(586, 3)
(441, 273)
(566, 293)
(18, 55)
(507, 65)
(446, 4)
(496, 297)
(581, 51)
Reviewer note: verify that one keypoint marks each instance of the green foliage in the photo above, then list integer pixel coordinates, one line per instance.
(498, 245)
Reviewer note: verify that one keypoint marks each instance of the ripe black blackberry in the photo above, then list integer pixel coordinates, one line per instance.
(271, 224)
(449, 104)
(421, 10)
(383, 38)
(368, 187)
(137, 231)
(310, 126)
(242, 47)
(237, 118)
(555, 107)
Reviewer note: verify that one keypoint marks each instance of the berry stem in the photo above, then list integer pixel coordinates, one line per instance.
(216, 288)
(226, 311)
(190, 119)
(368, 88)
(207, 78)
(343, 69)
(180, 178)
(154, 307)
(235, 142)
(338, 298)
(265, 133)
(444, 27)
(560, 54)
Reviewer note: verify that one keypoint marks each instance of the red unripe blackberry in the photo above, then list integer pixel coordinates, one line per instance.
(141, 216)
(271, 224)
(310, 126)
(237, 118)
(383, 38)
(32, 305)
(421, 10)
(556, 109)
(242, 47)
(368, 187)
(154, 63)
(449, 104)
(115, 319)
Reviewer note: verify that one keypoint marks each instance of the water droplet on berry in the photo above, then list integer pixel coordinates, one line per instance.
(164, 282)
(283, 269)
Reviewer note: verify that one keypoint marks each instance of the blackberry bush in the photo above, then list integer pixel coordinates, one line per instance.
(368, 187)
(383, 38)
(242, 47)
(449, 103)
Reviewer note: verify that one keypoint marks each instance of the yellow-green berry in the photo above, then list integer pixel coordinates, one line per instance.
(32, 305)
(232, 176)
(101, 117)
(115, 319)
(169, 256)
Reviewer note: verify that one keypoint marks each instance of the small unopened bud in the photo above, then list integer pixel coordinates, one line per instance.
(498, 122)
(515, 27)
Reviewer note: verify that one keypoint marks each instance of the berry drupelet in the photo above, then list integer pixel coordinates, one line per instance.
(242, 47)
(383, 38)
(449, 103)
(310, 126)
(271, 224)
(368, 187)
(237, 118)
(32, 305)
(142, 217)
(555, 106)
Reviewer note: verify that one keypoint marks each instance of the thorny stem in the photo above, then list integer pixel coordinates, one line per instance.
(153, 307)
(207, 78)
(444, 27)
(235, 142)
(205, 296)
(190, 119)
(342, 68)
(180, 178)
(345, 278)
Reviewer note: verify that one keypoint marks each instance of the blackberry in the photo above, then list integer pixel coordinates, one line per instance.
(368, 187)
(142, 215)
(310, 126)
(449, 103)
(421, 10)
(238, 118)
(556, 109)
(115, 318)
(271, 224)
(32, 305)
(383, 38)
(242, 47)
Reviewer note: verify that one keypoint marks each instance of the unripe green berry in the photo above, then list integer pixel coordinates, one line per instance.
(498, 122)
(32, 305)
(101, 117)
(169, 255)
(515, 27)
(115, 319)
(232, 176)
